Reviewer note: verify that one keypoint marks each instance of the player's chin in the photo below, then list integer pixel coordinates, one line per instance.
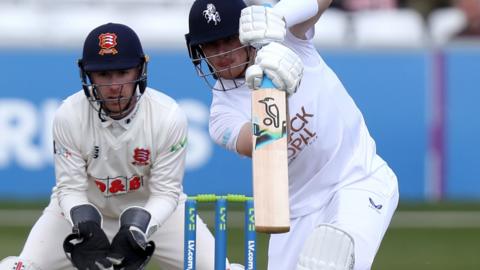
(116, 107)
(231, 74)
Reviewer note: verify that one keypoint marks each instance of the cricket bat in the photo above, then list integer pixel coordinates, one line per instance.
(269, 159)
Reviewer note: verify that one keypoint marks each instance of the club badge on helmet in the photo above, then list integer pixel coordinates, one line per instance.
(211, 20)
(111, 47)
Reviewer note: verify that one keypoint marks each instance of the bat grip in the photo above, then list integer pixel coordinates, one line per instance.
(267, 83)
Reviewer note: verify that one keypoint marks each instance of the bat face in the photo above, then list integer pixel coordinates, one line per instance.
(269, 160)
(272, 126)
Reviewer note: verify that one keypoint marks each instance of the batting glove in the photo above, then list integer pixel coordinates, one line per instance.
(260, 25)
(87, 247)
(130, 249)
(280, 64)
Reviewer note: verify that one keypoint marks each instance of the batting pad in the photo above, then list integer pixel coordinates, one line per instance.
(327, 248)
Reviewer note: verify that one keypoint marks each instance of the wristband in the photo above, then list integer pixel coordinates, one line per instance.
(296, 11)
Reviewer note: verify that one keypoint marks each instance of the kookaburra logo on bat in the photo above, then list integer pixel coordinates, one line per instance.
(272, 111)
(272, 127)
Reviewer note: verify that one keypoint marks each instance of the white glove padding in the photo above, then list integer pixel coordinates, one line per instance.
(282, 65)
(260, 25)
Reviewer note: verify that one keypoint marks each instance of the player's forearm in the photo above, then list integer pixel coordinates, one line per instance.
(244, 140)
(70, 189)
(160, 207)
(300, 16)
(166, 185)
(68, 199)
(224, 128)
(71, 177)
(167, 171)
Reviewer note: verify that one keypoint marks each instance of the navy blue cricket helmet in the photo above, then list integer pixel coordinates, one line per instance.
(211, 20)
(111, 46)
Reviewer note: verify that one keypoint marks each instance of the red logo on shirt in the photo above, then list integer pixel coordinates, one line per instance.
(102, 186)
(134, 183)
(19, 265)
(141, 157)
(119, 185)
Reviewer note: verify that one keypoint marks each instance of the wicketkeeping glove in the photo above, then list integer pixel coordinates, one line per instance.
(282, 65)
(87, 247)
(130, 249)
(260, 25)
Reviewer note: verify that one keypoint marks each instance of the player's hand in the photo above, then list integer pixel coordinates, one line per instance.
(282, 65)
(130, 249)
(87, 247)
(260, 25)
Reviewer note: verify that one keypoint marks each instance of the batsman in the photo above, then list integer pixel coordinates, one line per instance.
(342, 194)
(119, 152)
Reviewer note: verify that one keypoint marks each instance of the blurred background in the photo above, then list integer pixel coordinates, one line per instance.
(412, 66)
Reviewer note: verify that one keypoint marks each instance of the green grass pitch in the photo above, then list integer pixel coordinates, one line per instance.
(404, 247)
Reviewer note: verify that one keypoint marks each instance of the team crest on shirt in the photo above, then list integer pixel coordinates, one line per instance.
(211, 14)
(141, 157)
(107, 43)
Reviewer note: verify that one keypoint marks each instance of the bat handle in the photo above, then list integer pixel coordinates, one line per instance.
(267, 83)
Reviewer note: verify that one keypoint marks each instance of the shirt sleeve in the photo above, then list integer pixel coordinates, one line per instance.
(228, 114)
(71, 177)
(168, 168)
(305, 49)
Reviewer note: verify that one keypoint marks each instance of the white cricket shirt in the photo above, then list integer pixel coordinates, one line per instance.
(329, 145)
(141, 166)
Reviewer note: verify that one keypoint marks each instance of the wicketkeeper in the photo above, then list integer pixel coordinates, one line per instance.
(119, 150)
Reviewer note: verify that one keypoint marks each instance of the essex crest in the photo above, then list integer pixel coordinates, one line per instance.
(107, 43)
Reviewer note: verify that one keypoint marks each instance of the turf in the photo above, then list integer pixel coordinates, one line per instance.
(402, 248)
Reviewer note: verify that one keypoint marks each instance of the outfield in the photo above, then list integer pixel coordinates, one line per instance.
(423, 237)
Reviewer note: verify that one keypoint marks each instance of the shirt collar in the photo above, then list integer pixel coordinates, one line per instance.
(229, 84)
(125, 122)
